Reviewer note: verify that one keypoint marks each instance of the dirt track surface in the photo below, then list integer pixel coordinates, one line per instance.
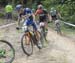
(59, 50)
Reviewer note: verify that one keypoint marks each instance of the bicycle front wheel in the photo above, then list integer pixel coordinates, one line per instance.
(58, 28)
(27, 45)
(7, 52)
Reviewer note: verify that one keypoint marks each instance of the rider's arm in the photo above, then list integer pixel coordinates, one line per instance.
(49, 17)
(59, 15)
(33, 17)
(23, 16)
(36, 12)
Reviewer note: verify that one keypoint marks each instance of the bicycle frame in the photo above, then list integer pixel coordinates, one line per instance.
(29, 32)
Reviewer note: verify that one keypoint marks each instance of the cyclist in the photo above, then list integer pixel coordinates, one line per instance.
(54, 14)
(19, 9)
(43, 15)
(30, 20)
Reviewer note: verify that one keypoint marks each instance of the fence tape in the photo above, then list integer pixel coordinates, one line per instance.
(68, 24)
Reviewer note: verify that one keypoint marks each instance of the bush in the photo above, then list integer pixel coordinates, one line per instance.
(2, 15)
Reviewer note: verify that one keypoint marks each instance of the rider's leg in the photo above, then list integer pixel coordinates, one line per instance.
(46, 26)
(38, 36)
(36, 31)
(27, 35)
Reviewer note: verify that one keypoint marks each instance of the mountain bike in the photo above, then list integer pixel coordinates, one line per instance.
(43, 33)
(57, 26)
(7, 52)
(28, 40)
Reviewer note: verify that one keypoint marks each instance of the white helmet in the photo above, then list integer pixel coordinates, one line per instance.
(40, 6)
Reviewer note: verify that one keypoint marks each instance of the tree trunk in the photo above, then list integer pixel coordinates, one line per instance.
(13, 2)
(22, 2)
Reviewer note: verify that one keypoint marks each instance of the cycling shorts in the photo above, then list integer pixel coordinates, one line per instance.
(42, 18)
(54, 17)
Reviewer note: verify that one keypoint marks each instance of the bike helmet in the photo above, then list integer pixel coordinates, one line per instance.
(18, 7)
(40, 6)
(28, 11)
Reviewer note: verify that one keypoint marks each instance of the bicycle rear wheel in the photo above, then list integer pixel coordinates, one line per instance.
(27, 48)
(43, 36)
(7, 52)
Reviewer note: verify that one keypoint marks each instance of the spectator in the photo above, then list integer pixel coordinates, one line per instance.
(8, 10)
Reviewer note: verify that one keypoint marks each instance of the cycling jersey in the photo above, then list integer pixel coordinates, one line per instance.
(29, 18)
(25, 12)
(53, 14)
(42, 15)
(30, 22)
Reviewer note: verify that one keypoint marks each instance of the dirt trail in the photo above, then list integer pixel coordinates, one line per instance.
(59, 50)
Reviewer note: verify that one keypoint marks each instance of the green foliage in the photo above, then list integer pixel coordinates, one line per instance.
(3, 2)
(1, 15)
(67, 8)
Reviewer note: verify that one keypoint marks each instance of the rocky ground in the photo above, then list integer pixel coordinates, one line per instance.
(60, 49)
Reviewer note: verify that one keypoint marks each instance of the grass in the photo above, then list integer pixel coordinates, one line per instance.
(65, 29)
(2, 21)
(68, 30)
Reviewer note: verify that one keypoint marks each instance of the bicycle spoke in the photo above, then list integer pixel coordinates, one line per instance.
(7, 53)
